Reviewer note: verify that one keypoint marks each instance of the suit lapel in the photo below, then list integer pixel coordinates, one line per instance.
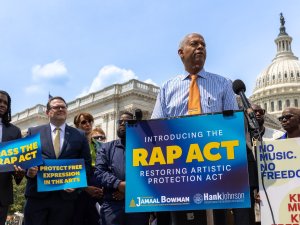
(4, 132)
(66, 139)
(49, 141)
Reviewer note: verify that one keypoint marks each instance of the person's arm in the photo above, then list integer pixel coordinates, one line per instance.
(86, 155)
(103, 173)
(229, 98)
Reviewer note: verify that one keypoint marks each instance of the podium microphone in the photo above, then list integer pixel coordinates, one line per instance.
(239, 88)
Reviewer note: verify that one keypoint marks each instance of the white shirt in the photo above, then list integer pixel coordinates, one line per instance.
(272, 134)
(62, 133)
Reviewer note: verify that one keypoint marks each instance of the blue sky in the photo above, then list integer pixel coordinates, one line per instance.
(71, 47)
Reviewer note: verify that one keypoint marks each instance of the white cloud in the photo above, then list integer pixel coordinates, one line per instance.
(47, 77)
(53, 71)
(109, 75)
(150, 81)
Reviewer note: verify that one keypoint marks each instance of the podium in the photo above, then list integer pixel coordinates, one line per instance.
(199, 217)
(186, 166)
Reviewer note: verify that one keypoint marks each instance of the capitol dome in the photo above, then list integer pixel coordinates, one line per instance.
(278, 86)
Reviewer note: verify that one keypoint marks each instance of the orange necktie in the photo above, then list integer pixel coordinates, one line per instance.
(194, 104)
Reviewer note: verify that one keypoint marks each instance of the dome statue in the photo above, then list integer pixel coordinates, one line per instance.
(278, 85)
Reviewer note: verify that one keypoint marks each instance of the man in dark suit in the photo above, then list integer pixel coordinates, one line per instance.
(56, 207)
(8, 132)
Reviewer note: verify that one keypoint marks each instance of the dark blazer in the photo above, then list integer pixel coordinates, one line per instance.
(75, 146)
(9, 132)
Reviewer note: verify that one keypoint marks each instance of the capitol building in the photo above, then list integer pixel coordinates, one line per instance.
(277, 87)
(105, 105)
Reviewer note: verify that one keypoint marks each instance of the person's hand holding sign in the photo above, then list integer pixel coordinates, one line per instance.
(32, 171)
(19, 172)
(95, 192)
(69, 190)
(121, 186)
(118, 195)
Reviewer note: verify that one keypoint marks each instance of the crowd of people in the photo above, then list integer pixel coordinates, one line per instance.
(102, 201)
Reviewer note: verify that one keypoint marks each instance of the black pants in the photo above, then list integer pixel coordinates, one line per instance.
(245, 216)
(3, 214)
(180, 217)
(52, 210)
(85, 210)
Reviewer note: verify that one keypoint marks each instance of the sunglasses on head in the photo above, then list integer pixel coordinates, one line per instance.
(83, 122)
(99, 137)
(286, 117)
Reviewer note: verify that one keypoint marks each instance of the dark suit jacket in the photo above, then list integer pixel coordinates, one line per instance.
(75, 146)
(9, 133)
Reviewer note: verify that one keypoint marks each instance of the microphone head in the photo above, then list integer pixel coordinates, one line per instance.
(238, 86)
(138, 114)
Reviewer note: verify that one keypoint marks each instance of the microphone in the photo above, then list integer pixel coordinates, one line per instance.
(138, 114)
(239, 88)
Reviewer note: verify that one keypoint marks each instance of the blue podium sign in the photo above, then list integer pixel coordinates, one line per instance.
(187, 163)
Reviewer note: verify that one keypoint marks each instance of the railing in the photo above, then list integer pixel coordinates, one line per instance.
(148, 89)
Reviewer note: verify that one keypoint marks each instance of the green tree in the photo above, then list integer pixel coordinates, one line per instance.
(19, 198)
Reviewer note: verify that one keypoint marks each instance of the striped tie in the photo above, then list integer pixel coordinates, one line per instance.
(56, 142)
(194, 103)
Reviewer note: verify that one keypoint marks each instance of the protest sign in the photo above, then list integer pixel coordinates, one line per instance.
(24, 152)
(278, 166)
(187, 163)
(60, 174)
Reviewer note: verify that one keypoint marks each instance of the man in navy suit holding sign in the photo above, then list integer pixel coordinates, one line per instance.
(58, 141)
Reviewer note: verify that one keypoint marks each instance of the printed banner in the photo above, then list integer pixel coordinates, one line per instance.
(24, 152)
(187, 163)
(278, 165)
(60, 174)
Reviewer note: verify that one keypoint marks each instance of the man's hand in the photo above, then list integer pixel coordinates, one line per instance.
(32, 171)
(69, 190)
(19, 172)
(95, 192)
(257, 198)
(118, 195)
(121, 186)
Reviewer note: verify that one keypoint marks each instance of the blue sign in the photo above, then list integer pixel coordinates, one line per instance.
(24, 152)
(60, 174)
(188, 163)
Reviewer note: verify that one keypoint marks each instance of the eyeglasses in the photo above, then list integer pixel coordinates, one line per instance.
(260, 111)
(83, 122)
(59, 107)
(120, 122)
(286, 117)
(100, 137)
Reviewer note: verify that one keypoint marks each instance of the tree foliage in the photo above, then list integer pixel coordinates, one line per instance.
(19, 198)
